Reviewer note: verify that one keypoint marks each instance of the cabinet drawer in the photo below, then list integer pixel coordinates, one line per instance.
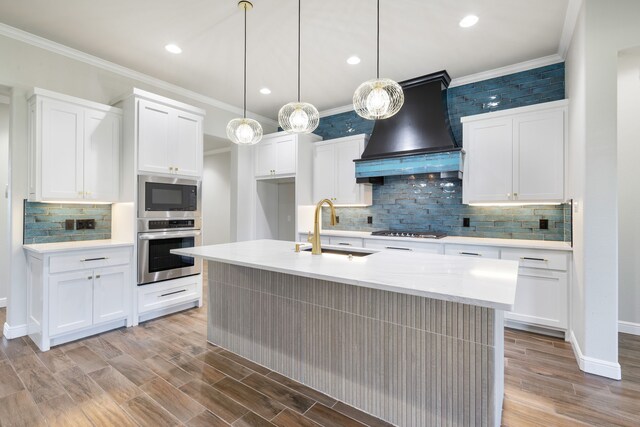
(531, 258)
(401, 245)
(89, 259)
(472, 251)
(166, 294)
(346, 241)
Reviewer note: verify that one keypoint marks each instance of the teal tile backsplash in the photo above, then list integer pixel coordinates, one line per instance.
(45, 222)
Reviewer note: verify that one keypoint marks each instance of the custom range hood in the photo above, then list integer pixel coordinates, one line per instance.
(417, 139)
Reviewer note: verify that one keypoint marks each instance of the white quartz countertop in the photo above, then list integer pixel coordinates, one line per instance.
(44, 248)
(482, 282)
(459, 240)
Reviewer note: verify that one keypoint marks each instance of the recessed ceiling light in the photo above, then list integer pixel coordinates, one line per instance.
(353, 60)
(173, 48)
(265, 91)
(469, 21)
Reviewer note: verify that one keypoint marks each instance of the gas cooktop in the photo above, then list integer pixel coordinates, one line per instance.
(416, 234)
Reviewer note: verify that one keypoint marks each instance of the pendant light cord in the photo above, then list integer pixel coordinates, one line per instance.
(378, 42)
(244, 114)
(299, 2)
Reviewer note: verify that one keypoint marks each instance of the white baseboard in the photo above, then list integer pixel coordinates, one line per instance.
(14, 331)
(3, 302)
(592, 365)
(629, 327)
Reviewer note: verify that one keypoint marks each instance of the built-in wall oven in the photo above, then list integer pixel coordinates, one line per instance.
(156, 239)
(163, 197)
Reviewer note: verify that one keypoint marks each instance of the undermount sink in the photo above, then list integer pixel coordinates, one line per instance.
(345, 252)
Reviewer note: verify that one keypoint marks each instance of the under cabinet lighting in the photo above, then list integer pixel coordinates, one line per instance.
(516, 204)
(77, 202)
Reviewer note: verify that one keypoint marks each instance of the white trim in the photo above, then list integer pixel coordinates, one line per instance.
(628, 327)
(4, 99)
(509, 69)
(551, 105)
(3, 302)
(570, 21)
(336, 110)
(11, 332)
(73, 100)
(60, 49)
(217, 151)
(592, 365)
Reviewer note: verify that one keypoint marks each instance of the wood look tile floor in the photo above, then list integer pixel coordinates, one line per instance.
(164, 373)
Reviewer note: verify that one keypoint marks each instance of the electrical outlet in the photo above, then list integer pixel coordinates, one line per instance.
(85, 224)
(466, 222)
(69, 224)
(369, 220)
(80, 224)
(544, 224)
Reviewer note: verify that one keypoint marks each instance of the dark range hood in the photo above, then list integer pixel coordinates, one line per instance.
(412, 139)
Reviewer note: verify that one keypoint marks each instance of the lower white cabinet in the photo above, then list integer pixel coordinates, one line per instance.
(162, 297)
(355, 242)
(77, 293)
(402, 245)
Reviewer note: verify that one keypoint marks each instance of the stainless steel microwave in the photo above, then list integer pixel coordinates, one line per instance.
(162, 197)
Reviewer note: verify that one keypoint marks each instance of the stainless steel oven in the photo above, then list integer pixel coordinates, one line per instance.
(156, 239)
(162, 197)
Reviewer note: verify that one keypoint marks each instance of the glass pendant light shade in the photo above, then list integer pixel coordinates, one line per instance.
(244, 131)
(298, 117)
(378, 99)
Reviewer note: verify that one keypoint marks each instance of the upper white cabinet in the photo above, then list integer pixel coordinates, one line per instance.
(74, 149)
(169, 139)
(276, 154)
(334, 171)
(516, 155)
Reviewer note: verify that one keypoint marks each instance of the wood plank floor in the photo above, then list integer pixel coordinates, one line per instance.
(163, 372)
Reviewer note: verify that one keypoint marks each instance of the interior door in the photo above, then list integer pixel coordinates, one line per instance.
(155, 135)
(102, 156)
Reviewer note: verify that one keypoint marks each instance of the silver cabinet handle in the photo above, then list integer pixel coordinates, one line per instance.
(470, 253)
(171, 293)
(345, 243)
(90, 277)
(526, 258)
(398, 248)
(94, 259)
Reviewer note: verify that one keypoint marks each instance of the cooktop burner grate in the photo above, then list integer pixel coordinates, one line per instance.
(416, 234)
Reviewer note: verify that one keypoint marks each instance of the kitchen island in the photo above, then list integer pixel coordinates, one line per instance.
(415, 339)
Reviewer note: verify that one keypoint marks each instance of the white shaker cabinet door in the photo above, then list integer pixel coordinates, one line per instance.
(186, 156)
(70, 301)
(111, 294)
(285, 155)
(488, 165)
(538, 157)
(347, 190)
(265, 158)
(324, 173)
(62, 151)
(155, 133)
(101, 156)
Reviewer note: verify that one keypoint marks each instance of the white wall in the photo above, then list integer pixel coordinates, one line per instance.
(628, 192)
(592, 74)
(216, 199)
(4, 202)
(31, 66)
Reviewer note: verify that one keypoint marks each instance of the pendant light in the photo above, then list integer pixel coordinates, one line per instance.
(244, 131)
(298, 117)
(378, 98)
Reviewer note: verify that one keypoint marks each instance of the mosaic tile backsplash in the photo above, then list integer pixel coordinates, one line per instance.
(44, 222)
(419, 203)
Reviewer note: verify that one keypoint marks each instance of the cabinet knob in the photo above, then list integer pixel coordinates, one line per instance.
(80, 193)
(176, 169)
(98, 276)
(170, 168)
(88, 193)
(515, 195)
(90, 277)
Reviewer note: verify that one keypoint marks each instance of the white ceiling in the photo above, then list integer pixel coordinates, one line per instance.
(417, 37)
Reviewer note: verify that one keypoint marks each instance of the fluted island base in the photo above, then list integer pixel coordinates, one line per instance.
(410, 360)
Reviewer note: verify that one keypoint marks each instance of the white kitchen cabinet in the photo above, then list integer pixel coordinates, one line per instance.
(355, 242)
(472, 251)
(403, 245)
(276, 155)
(169, 139)
(77, 292)
(543, 289)
(74, 149)
(516, 155)
(334, 172)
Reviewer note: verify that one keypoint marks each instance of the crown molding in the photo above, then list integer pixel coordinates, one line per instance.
(509, 69)
(570, 22)
(60, 49)
(336, 110)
